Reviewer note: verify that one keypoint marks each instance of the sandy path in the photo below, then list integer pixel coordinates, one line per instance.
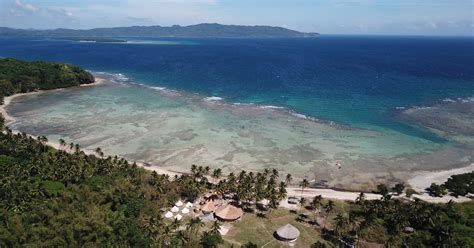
(352, 196)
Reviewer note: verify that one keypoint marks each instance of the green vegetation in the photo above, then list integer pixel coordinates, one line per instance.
(414, 224)
(18, 76)
(65, 198)
(259, 231)
(456, 185)
(460, 185)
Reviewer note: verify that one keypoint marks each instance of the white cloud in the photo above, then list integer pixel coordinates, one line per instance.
(26, 6)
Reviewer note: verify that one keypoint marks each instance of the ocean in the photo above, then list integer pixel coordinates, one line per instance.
(313, 101)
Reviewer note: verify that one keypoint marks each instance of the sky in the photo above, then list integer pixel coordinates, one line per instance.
(398, 17)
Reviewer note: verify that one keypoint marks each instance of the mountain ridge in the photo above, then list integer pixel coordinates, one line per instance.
(202, 30)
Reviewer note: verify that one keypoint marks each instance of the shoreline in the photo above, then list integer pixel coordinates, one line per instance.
(8, 99)
(424, 176)
(423, 179)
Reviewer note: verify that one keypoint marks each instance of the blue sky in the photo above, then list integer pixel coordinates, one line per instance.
(411, 17)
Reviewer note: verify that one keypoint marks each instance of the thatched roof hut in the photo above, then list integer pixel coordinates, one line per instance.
(211, 206)
(229, 213)
(288, 233)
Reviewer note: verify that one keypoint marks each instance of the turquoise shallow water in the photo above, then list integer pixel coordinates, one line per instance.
(353, 80)
(173, 130)
(298, 105)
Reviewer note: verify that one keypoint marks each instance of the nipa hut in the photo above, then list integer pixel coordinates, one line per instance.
(288, 233)
(229, 213)
(210, 206)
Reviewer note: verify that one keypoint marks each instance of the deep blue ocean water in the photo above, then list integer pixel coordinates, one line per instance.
(353, 80)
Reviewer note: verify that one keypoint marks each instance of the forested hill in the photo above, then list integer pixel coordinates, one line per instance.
(17, 76)
(212, 30)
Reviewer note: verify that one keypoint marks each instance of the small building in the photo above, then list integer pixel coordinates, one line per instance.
(210, 206)
(288, 233)
(168, 214)
(185, 211)
(229, 213)
(174, 209)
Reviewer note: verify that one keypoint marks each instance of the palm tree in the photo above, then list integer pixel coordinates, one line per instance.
(360, 198)
(315, 203)
(207, 170)
(194, 225)
(62, 143)
(282, 191)
(98, 150)
(193, 169)
(303, 184)
(328, 208)
(2, 122)
(302, 202)
(341, 224)
(288, 179)
(215, 227)
(216, 174)
(274, 174)
(77, 148)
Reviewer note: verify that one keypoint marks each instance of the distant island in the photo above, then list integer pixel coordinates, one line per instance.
(204, 30)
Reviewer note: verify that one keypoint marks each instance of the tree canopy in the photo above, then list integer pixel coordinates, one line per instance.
(17, 76)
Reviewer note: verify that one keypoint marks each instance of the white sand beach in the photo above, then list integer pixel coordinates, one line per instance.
(423, 179)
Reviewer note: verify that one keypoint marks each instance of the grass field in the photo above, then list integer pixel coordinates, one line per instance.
(260, 231)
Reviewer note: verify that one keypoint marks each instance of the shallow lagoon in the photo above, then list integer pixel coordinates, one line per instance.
(174, 130)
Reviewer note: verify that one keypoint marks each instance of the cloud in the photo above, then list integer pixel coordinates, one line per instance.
(59, 13)
(25, 6)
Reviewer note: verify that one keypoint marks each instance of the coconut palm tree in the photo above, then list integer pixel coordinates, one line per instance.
(274, 174)
(314, 204)
(194, 225)
(215, 227)
(98, 151)
(302, 202)
(303, 184)
(282, 191)
(341, 224)
(206, 170)
(216, 174)
(328, 208)
(288, 179)
(360, 198)
(62, 143)
(193, 169)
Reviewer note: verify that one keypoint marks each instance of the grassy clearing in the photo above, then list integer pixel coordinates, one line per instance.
(260, 230)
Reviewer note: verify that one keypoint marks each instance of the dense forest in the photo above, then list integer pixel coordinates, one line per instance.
(17, 76)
